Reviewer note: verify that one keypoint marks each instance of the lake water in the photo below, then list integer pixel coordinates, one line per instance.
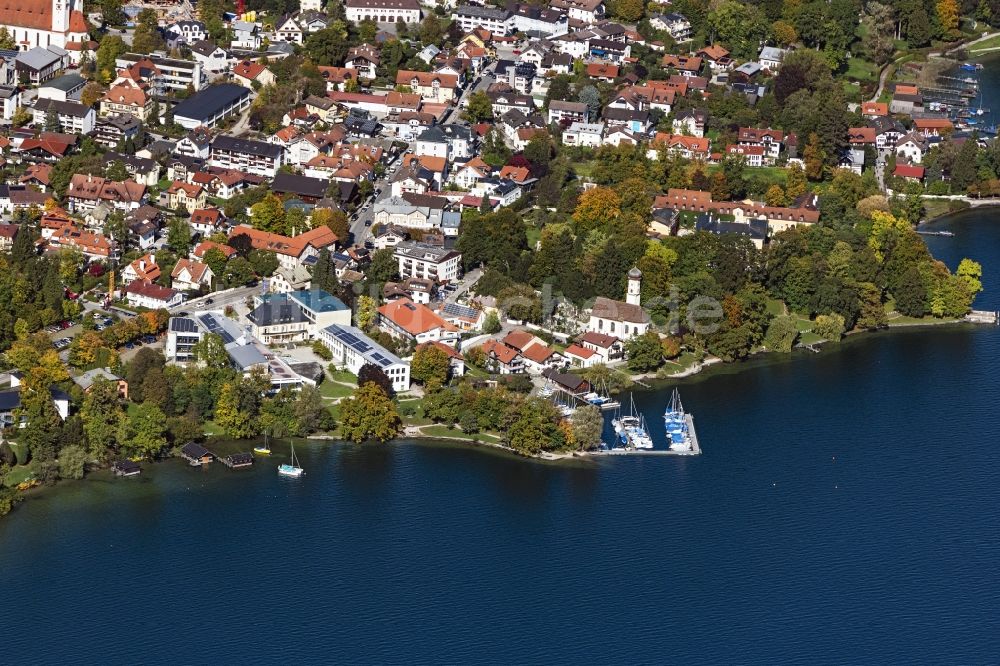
(845, 509)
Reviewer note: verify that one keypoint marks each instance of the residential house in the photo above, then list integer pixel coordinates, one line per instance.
(608, 348)
(690, 122)
(428, 261)
(143, 268)
(85, 192)
(912, 147)
(586, 135)
(207, 221)
(565, 113)
(382, 11)
(210, 56)
(143, 294)
(246, 73)
(183, 196)
(501, 359)
(717, 57)
(768, 139)
(71, 117)
(431, 87)
(771, 57)
(365, 59)
(256, 157)
(676, 24)
(190, 275)
(405, 319)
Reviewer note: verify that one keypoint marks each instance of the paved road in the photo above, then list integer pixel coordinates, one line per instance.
(219, 300)
(359, 229)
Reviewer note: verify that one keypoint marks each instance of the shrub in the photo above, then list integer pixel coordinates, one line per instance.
(322, 351)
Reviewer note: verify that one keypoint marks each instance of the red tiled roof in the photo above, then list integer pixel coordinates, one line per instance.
(578, 351)
(414, 318)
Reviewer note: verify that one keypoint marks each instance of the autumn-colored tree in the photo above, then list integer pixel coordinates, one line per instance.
(775, 196)
(784, 33)
(595, 208)
(947, 13)
(795, 185)
(430, 365)
(813, 157)
(335, 219)
(369, 414)
(268, 214)
(367, 312)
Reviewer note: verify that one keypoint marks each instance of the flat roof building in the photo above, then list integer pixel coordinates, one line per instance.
(211, 105)
(352, 349)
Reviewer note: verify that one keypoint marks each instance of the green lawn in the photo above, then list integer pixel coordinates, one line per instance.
(991, 43)
(212, 428)
(860, 69)
(810, 338)
(775, 306)
(584, 169)
(16, 475)
(444, 431)
(332, 390)
(343, 376)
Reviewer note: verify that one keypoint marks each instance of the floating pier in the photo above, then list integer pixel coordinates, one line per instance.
(983, 317)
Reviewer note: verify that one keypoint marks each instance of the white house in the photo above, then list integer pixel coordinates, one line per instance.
(143, 294)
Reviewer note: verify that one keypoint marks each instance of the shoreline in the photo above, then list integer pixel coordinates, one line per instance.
(414, 434)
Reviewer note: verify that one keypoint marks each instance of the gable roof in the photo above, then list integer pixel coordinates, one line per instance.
(414, 318)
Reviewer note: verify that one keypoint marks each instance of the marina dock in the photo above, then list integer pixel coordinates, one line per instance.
(983, 317)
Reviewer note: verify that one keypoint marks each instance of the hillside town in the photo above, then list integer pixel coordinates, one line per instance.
(293, 217)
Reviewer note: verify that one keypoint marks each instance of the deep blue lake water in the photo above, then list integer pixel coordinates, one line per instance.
(845, 509)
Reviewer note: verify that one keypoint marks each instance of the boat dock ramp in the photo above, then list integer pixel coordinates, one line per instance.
(621, 451)
(983, 317)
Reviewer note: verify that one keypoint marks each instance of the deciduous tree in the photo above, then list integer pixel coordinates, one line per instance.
(369, 414)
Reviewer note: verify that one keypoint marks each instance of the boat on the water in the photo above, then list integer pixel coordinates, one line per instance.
(631, 428)
(971, 66)
(292, 470)
(263, 449)
(677, 426)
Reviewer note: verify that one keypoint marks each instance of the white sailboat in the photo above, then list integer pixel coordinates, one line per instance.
(631, 428)
(292, 470)
(676, 422)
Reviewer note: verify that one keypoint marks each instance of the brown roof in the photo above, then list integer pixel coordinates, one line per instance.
(519, 339)
(144, 288)
(602, 340)
(123, 94)
(606, 308)
(195, 268)
(405, 77)
(319, 238)
(83, 186)
(578, 351)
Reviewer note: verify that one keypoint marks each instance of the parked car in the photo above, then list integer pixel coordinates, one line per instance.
(148, 339)
(129, 345)
(209, 301)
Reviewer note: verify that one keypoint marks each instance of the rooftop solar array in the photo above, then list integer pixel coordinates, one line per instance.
(212, 324)
(183, 325)
(353, 338)
(456, 310)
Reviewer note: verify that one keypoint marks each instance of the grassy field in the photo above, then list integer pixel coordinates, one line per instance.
(16, 475)
(332, 390)
(860, 69)
(445, 431)
(343, 376)
(991, 43)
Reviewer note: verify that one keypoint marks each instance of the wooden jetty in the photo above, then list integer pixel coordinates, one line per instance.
(126, 468)
(238, 460)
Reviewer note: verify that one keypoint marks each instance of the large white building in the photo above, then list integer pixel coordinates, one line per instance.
(427, 261)
(43, 22)
(352, 349)
(383, 11)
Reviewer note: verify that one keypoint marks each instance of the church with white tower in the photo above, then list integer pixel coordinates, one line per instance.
(43, 22)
